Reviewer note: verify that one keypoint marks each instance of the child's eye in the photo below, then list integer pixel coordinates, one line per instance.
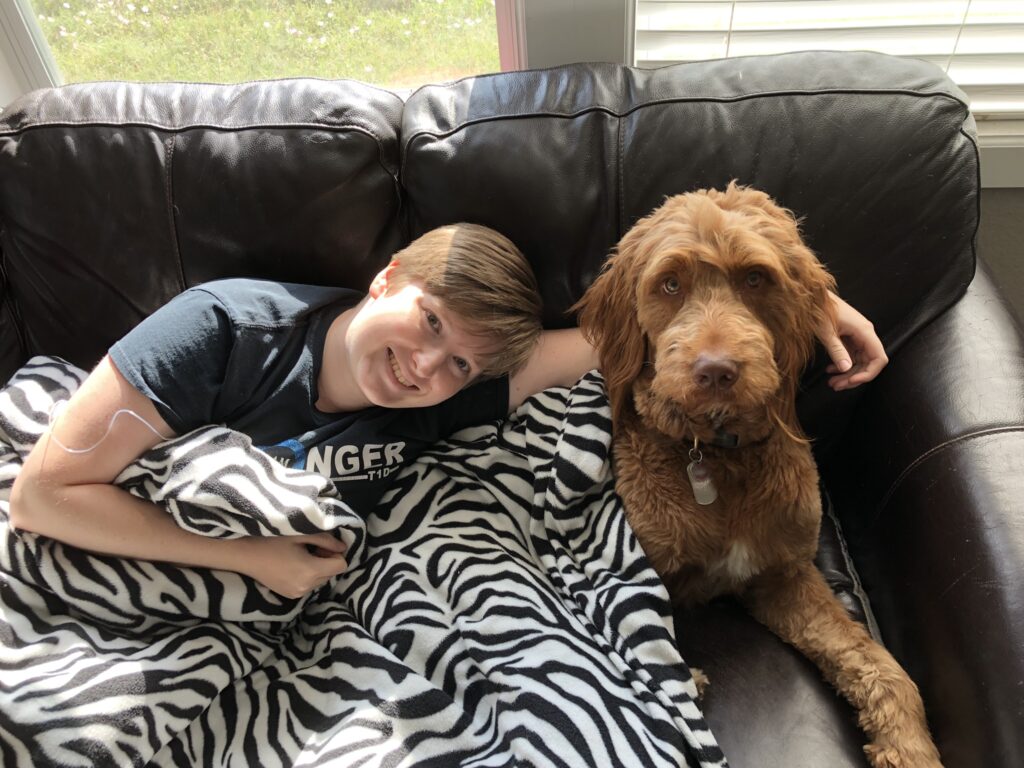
(461, 364)
(433, 321)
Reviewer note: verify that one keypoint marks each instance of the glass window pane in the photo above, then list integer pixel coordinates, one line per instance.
(397, 44)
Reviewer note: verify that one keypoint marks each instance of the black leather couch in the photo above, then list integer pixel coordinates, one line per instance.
(114, 197)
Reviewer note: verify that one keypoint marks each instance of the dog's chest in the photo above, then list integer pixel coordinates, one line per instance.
(737, 565)
(764, 511)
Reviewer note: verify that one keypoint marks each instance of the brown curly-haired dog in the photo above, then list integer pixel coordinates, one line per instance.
(704, 319)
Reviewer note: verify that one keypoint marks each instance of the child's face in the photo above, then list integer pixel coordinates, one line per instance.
(408, 350)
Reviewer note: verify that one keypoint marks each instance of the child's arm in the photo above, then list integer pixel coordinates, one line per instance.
(558, 360)
(69, 497)
(857, 353)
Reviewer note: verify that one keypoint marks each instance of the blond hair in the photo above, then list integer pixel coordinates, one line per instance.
(481, 277)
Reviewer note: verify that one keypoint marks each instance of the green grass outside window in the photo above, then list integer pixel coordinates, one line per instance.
(394, 43)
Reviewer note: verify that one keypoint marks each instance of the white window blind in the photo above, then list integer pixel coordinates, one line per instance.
(980, 43)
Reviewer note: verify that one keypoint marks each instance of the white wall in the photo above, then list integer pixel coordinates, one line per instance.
(564, 31)
(10, 86)
(1002, 166)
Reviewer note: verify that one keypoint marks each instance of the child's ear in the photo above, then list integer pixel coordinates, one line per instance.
(380, 283)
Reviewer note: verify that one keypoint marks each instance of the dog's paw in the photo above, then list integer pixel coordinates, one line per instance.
(919, 755)
(701, 680)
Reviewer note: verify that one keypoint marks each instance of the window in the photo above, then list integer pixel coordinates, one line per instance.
(980, 43)
(398, 44)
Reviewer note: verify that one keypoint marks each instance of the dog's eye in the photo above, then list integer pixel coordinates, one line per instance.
(755, 278)
(670, 286)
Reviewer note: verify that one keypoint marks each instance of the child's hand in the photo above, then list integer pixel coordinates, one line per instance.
(293, 566)
(856, 351)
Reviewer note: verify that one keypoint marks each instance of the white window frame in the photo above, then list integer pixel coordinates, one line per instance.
(30, 64)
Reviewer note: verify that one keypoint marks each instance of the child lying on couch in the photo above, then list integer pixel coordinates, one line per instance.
(352, 386)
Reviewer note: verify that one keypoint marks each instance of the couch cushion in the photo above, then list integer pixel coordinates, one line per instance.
(767, 705)
(114, 197)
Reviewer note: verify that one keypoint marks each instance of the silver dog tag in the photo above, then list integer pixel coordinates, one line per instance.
(704, 491)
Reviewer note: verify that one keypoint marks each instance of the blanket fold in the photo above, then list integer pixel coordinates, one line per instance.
(497, 611)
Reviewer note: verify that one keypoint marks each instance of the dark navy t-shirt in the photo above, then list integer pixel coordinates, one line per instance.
(247, 353)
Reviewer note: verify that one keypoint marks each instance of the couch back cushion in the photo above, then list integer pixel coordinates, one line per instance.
(114, 197)
(876, 154)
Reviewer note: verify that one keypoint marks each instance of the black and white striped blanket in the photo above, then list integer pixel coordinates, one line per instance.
(498, 611)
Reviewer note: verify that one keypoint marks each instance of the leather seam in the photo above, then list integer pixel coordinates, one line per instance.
(169, 146)
(932, 452)
(379, 140)
(7, 295)
(622, 113)
(620, 150)
(858, 587)
(306, 125)
(820, 89)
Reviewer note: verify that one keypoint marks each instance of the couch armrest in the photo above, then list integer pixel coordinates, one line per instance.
(929, 484)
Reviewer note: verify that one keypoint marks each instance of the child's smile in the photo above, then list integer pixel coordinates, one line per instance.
(398, 371)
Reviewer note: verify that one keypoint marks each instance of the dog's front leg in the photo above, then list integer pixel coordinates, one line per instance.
(797, 604)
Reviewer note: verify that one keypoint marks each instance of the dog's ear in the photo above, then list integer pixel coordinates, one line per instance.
(811, 308)
(807, 291)
(607, 316)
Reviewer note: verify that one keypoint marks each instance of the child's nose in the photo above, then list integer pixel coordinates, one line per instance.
(427, 361)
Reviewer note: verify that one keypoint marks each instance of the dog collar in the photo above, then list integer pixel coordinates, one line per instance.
(723, 439)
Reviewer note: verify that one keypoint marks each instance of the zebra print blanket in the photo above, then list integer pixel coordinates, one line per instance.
(498, 611)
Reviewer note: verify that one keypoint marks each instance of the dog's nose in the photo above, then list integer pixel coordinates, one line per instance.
(711, 372)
